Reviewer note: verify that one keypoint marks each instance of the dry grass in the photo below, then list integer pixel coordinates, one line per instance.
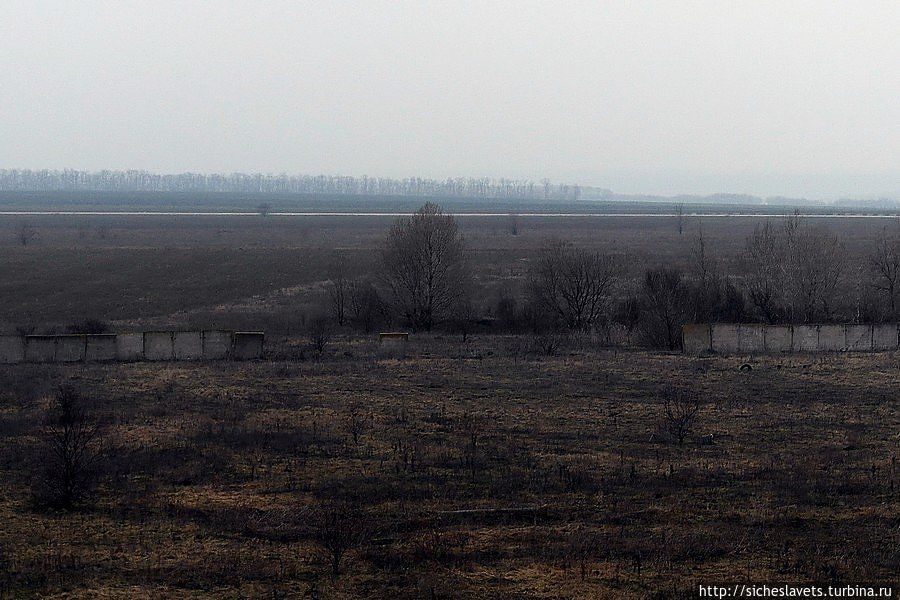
(790, 474)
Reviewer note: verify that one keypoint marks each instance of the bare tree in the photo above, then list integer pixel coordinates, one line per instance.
(572, 285)
(264, 209)
(679, 215)
(338, 528)
(885, 262)
(72, 450)
(583, 548)
(713, 296)
(680, 410)
(338, 290)
(424, 268)
(793, 271)
(26, 233)
(814, 265)
(356, 422)
(664, 295)
(764, 255)
(319, 334)
(366, 306)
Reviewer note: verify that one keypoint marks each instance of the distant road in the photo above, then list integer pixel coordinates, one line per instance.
(86, 213)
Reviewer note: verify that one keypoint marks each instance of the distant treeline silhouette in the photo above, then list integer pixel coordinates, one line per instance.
(45, 180)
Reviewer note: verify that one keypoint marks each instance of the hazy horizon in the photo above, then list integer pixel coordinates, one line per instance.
(656, 98)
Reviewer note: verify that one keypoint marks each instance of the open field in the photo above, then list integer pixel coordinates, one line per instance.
(261, 272)
(483, 467)
(790, 474)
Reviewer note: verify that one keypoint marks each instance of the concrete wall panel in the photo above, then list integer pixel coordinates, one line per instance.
(69, 348)
(832, 338)
(248, 345)
(696, 339)
(216, 344)
(188, 345)
(129, 346)
(158, 345)
(725, 338)
(40, 348)
(884, 337)
(779, 338)
(393, 344)
(100, 347)
(752, 338)
(859, 337)
(806, 338)
(12, 348)
(154, 345)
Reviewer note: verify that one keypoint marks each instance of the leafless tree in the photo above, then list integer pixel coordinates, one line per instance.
(424, 268)
(72, 450)
(713, 296)
(366, 307)
(338, 290)
(814, 265)
(571, 285)
(664, 295)
(26, 233)
(583, 548)
(793, 271)
(338, 528)
(680, 410)
(885, 262)
(356, 421)
(764, 255)
(319, 332)
(264, 209)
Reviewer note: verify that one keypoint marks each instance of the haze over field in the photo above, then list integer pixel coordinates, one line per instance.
(764, 98)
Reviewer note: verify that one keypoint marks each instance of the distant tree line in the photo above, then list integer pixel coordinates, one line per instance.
(144, 181)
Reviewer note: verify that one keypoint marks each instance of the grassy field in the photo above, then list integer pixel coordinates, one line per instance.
(479, 468)
(789, 474)
(265, 273)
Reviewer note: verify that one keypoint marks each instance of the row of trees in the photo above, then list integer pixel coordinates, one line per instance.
(144, 181)
(792, 272)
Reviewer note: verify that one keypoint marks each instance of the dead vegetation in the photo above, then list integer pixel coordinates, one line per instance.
(578, 475)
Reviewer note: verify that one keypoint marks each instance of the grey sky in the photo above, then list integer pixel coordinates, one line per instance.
(791, 98)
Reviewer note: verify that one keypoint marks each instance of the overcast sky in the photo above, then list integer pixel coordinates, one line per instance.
(771, 98)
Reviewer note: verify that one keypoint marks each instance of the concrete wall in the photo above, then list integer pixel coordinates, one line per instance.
(12, 348)
(393, 345)
(752, 338)
(730, 338)
(152, 345)
(695, 339)
(40, 348)
(779, 339)
(188, 345)
(885, 337)
(100, 347)
(726, 338)
(70, 348)
(248, 345)
(859, 337)
(832, 338)
(158, 345)
(217, 344)
(129, 346)
(806, 338)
